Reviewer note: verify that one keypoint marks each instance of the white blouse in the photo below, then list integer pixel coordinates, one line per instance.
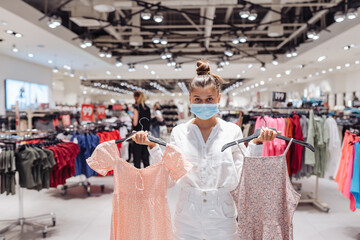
(212, 169)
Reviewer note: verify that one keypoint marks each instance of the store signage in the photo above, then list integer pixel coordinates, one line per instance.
(356, 103)
(117, 107)
(100, 112)
(279, 96)
(87, 112)
(66, 120)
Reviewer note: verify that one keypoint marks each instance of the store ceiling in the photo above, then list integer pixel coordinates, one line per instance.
(182, 27)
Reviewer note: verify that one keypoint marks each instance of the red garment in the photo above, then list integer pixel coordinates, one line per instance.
(296, 149)
(108, 136)
(290, 134)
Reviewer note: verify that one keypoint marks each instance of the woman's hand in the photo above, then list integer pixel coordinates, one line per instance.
(141, 138)
(266, 135)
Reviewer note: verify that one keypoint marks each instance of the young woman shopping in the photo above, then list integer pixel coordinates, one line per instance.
(205, 209)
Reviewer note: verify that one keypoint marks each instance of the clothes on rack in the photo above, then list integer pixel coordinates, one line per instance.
(333, 147)
(265, 198)
(7, 170)
(108, 136)
(87, 143)
(140, 195)
(347, 175)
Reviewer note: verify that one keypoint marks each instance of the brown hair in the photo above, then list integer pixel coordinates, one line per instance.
(140, 98)
(205, 78)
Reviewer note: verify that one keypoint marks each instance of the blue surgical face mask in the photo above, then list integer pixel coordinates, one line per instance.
(204, 111)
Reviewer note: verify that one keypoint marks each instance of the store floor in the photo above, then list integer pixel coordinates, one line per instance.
(79, 217)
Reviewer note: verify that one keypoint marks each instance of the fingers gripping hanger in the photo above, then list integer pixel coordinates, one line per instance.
(257, 134)
(151, 139)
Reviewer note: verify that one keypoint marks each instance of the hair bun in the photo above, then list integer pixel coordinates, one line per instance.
(203, 67)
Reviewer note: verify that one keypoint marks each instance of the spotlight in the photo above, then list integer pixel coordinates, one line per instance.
(275, 62)
(108, 54)
(88, 42)
(18, 35)
(54, 21)
(102, 53)
(30, 55)
(253, 15)
(158, 17)
(164, 41)
(178, 67)
(55, 70)
(168, 54)
(163, 56)
(156, 39)
(243, 38)
(15, 49)
(244, 13)
(172, 62)
(263, 67)
(351, 14)
(288, 54)
(146, 15)
(118, 63)
(294, 52)
(235, 40)
(339, 16)
(311, 33)
(219, 68)
(131, 68)
(228, 52)
(83, 45)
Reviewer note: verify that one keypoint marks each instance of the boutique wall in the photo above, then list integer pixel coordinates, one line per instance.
(12, 68)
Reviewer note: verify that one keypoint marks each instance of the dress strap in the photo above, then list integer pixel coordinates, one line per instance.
(238, 144)
(288, 146)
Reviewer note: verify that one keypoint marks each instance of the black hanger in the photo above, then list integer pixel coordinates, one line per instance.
(257, 134)
(151, 139)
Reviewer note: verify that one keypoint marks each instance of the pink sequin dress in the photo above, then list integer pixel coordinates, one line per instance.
(140, 206)
(265, 199)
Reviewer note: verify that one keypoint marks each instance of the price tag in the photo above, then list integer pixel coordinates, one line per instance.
(87, 112)
(279, 96)
(100, 112)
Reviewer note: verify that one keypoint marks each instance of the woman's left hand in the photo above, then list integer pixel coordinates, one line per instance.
(266, 135)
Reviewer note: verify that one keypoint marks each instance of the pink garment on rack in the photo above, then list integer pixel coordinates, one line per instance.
(350, 166)
(140, 205)
(280, 144)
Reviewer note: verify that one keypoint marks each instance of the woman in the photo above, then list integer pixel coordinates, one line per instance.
(156, 121)
(141, 121)
(205, 209)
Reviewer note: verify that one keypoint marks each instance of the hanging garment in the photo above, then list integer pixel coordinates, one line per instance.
(140, 206)
(7, 171)
(355, 182)
(290, 134)
(296, 149)
(265, 199)
(333, 147)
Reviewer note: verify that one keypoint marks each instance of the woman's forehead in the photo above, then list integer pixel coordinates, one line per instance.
(204, 91)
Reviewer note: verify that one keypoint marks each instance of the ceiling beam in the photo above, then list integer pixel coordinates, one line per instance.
(228, 14)
(190, 21)
(217, 26)
(210, 14)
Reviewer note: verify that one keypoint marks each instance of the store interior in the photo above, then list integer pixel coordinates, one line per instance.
(69, 69)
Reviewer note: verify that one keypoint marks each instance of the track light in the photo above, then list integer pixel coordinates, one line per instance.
(253, 15)
(178, 67)
(55, 70)
(146, 15)
(118, 62)
(228, 52)
(219, 67)
(312, 34)
(244, 13)
(163, 56)
(156, 39)
(15, 49)
(164, 41)
(288, 54)
(87, 42)
(235, 40)
(243, 38)
(263, 67)
(275, 62)
(102, 53)
(131, 67)
(158, 17)
(108, 54)
(339, 16)
(351, 13)
(54, 21)
(294, 52)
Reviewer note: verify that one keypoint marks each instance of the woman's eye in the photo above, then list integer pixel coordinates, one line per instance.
(210, 99)
(197, 99)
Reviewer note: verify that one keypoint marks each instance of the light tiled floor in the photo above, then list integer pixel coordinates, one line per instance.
(80, 217)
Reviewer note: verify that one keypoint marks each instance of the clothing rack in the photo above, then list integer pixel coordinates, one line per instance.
(22, 220)
(306, 197)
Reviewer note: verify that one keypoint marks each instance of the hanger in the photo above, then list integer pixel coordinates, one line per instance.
(257, 134)
(151, 139)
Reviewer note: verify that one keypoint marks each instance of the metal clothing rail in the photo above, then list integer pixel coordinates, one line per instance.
(22, 220)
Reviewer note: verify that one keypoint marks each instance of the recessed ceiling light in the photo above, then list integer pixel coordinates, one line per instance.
(9, 31)
(262, 82)
(287, 72)
(15, 49)
(250, 65)
(4, 23)
(348, 47)
(256, 84)
(347, 65)
(67, 67)
(238, 76)
(30, 55)
(146, 66)
(317, 73)
(323, 71)
(269, 79)
(330, 69)
(322, 58)
(357, 62)
(108, 72)
(18, 35)
(153, 72)
(50, 61)
(310, 76)
(278, 75)
(118, 77)
(243, 71)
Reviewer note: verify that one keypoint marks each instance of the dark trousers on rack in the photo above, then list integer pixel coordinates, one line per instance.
(140, 153)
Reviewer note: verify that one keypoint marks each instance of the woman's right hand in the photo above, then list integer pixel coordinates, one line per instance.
(141, 138)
